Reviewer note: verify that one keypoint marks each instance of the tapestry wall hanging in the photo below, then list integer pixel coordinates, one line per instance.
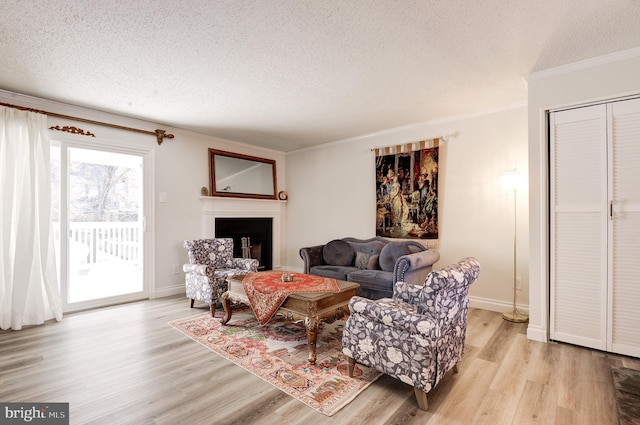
(407, 190)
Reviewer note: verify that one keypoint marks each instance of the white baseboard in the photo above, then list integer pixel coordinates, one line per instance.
(497, 306)
(289, 269)
(534, 333)
(537, 334)
(168, 291)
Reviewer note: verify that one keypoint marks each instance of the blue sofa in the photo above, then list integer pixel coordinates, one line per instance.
(376, 263)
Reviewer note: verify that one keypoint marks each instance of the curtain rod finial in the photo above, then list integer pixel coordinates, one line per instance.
(162, 134)
(448, 136)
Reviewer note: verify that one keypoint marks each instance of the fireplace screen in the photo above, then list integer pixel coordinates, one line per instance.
(252, 238)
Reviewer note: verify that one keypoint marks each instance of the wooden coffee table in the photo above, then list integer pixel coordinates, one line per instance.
(310, 308)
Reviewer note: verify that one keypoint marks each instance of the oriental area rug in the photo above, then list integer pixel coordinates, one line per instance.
(277, 353)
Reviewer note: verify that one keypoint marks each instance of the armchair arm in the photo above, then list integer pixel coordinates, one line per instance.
(248, 264)
(202, 269)
(407, 292)
(312, 256)
(395, 314)
(445, 293)
(414, 268)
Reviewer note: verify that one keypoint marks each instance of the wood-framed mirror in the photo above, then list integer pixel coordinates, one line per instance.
(241, 176)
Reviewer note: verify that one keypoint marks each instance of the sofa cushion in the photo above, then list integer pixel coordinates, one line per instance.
(373, 283)
(390, 254)
(336, 272)
(366, 261)
(338, 253)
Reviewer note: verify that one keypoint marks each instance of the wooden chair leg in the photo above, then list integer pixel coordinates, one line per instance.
(421, 398)
(213, 309)
(191, 302)
(351, 363)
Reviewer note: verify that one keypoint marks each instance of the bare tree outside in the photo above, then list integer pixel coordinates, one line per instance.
(93, 197)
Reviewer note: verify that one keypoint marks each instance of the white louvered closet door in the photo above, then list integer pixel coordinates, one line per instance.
(595, 226)
(578, 231)
(624, 228)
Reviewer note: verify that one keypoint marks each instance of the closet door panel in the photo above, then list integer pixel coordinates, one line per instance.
(577, 293)
(624, 228)
(579, 226)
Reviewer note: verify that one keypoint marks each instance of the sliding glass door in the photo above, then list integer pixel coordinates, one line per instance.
(99, 203)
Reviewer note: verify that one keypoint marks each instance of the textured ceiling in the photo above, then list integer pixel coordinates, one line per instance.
(288, 74)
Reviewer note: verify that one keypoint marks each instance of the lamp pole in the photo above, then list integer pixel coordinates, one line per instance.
(515, 315)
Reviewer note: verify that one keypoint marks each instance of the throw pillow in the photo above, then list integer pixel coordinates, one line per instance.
(372, 264)
(338, 253)
(362, 260)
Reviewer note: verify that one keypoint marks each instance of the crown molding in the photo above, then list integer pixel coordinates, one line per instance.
(417, 126)
(583, 64)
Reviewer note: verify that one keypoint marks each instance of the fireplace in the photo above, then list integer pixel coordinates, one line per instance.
(255, 234)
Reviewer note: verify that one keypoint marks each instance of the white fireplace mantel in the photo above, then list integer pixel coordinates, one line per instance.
(215, 207)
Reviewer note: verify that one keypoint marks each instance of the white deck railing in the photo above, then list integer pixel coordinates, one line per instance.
(102, 241)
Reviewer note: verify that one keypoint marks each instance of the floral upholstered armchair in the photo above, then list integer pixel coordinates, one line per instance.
(211, 261)
(418, 335)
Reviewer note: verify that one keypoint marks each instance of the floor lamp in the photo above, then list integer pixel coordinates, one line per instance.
(509, 179)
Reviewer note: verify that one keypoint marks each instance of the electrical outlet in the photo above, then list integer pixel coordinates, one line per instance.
(176, 268)
(518, 282)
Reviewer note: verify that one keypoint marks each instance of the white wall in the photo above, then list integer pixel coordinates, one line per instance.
(182, 168)
(332, 195)
(598, 79)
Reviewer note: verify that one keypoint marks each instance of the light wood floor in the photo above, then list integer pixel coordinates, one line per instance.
(126, 365)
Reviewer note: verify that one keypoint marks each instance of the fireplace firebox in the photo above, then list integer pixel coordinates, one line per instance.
(249, 232)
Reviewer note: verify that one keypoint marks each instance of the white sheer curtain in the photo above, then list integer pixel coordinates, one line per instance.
(29, 292)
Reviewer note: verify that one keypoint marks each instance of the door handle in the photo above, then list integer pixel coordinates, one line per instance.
(611, 210)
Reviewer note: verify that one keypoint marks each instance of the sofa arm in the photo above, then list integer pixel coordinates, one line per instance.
(201, 269)
(312, 256)
(414, 268)
(395, 314)
(248, 264)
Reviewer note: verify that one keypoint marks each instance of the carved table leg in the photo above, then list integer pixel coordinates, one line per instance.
(226, 304)
(311, 323)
